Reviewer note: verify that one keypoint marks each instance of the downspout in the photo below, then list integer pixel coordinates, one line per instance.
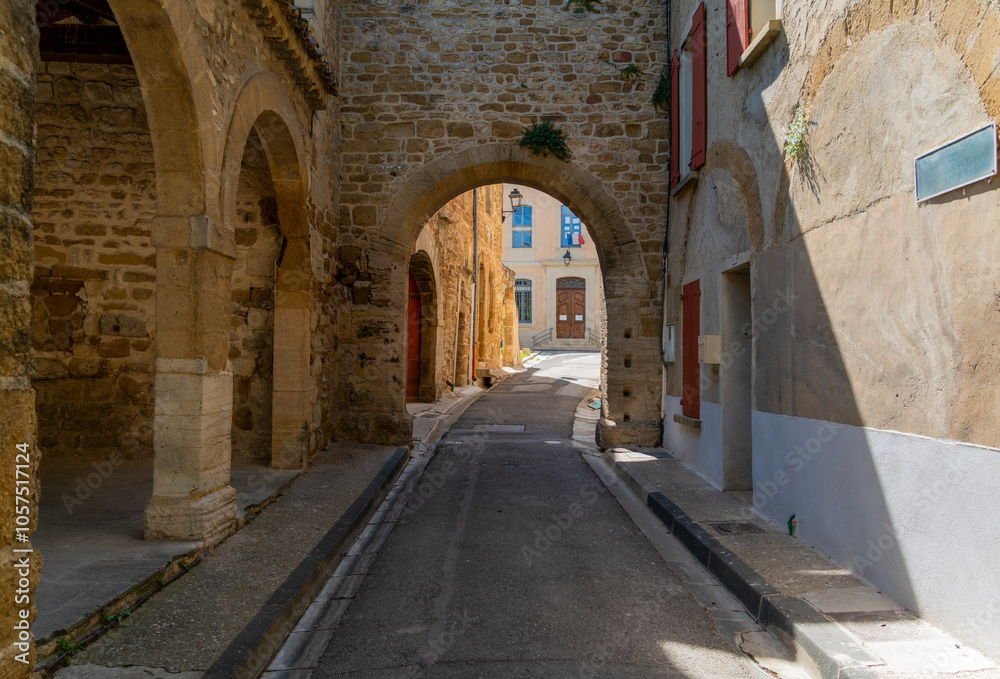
(666, 229)
(475, 281)
(666, 254)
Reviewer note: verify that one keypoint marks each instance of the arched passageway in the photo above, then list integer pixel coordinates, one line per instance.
(631, 412)
(422, 319)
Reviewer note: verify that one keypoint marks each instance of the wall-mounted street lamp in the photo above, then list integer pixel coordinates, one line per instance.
(515, 203)
(567, 258)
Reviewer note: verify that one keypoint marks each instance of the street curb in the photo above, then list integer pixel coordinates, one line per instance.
(804, 630)
(249, 654)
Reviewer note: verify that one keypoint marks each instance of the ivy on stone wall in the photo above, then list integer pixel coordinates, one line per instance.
(544, 138)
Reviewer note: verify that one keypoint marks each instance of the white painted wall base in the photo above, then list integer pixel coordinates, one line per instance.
(915, 516)
(700, 449)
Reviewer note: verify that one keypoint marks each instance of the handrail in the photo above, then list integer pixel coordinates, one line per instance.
(543, 336)
(593, 336)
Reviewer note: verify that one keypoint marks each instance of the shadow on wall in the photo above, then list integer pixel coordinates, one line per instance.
(883, 334)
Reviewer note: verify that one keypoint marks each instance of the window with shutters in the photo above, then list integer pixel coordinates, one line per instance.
(751, 25)
(689, 102)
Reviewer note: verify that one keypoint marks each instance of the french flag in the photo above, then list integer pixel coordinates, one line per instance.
(578, 239)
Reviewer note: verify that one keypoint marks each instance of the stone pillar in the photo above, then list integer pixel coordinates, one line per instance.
(630, 409)
(192, 498)
(19, 45)
(371, 398)
(290, 401)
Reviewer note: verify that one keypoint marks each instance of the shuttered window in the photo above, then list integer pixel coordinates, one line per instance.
(690, 370)
(699, 104)
(737, 32)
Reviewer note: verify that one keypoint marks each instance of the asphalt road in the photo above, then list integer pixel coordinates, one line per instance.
(512, 559)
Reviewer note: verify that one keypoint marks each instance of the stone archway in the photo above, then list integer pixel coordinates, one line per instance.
(422, 271)
(263, 109)
(631, 411)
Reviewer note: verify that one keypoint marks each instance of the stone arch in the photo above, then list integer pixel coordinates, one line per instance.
(581, 191)
(964, 25)
(422, 270)
(176, 103)
(726, 156)
(630, 417)
(263, 108)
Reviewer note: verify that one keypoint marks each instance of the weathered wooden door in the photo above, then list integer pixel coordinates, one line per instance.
(571, 308)
(413, 343)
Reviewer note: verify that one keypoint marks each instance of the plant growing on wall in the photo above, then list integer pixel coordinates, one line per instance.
(631, 73)
(581, 6)
(544, 138)
(795, 137)
(661, 95)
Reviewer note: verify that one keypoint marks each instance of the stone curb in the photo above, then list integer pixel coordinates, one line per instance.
(249, 654)
(808, 634)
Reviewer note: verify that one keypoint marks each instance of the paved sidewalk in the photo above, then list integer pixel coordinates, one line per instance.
(827, 617)
(187, 625)
(90, 537)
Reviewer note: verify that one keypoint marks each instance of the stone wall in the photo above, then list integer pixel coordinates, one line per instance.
(447, 241)
(92, 329)
(19, 45)
(435, 98)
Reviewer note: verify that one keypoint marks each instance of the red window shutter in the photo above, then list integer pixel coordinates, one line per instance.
(699, 79)
(690, 370)
(675, 120)
(737, 32)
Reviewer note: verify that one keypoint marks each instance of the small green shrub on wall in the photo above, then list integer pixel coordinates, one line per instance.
(661, 95)
(544, 138)
(795, 137)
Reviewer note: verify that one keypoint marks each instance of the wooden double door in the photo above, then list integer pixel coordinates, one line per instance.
(571, 308)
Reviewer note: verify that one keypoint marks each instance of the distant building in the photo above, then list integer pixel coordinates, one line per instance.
(558, 298)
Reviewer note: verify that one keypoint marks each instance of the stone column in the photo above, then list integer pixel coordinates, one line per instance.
(630, 409)
(290, 400)
(19, 45)
(192, 498)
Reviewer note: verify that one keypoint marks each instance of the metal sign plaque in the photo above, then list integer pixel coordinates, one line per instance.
(958, 163)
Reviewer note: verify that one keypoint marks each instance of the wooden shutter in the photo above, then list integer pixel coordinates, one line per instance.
(675, 120)
(737, 32)
(699, 79)
(690, 370)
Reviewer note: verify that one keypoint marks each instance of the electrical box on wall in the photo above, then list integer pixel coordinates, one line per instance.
(708, 349)
(668, 343)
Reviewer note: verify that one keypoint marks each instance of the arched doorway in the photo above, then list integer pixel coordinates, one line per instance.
(262, 148)
(421, 331)
(571, 308)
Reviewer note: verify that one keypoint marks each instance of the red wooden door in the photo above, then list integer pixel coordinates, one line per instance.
(571, 308)
(413, 343)
(690, 370)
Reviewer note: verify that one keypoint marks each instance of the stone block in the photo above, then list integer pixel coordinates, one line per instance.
(123, 326)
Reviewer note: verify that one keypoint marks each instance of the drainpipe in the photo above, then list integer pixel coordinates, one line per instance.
(666, 230)
(475, 281)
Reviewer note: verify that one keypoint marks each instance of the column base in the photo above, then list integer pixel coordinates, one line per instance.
(208, 519)
(627, 433)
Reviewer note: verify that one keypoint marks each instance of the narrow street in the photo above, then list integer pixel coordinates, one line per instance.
(512, 559)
